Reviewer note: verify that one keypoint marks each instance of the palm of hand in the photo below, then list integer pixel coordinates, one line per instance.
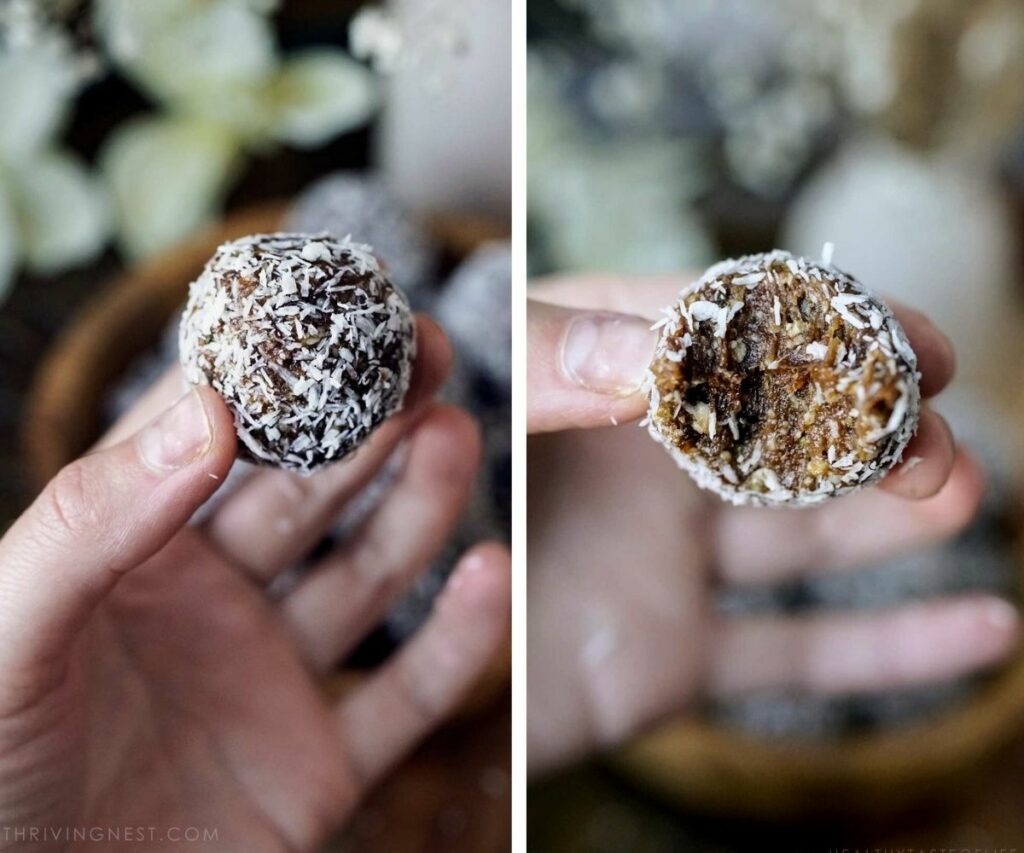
(625, 554)
(619, 585)
(149, 682)
(188, 705)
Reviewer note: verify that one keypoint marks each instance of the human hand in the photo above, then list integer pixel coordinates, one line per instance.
(146, 680)
(625, 552)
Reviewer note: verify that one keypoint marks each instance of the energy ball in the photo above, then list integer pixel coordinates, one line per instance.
(305, 338)
(780, 380)
(476, 310)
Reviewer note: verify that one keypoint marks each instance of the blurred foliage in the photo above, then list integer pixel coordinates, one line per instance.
(215, 70)
(652, 121)
(53, 212)
(221, 91)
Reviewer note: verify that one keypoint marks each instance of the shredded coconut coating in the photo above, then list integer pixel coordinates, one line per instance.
(305, 338)
(778, 380)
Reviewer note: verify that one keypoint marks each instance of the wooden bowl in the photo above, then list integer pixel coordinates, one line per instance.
(878, 776)
(64, 413)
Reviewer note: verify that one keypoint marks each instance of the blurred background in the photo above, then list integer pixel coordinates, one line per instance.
(664, 135)
(135, 136)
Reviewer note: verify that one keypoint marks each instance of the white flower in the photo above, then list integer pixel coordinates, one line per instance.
(213, 65)
(376, 37)
(318, 94)
(37, 82)
(167, 174)
(63, 212)
(177, 48)
(53, 213)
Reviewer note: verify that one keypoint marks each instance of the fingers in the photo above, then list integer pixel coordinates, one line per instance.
(425, 682)
(100, 517)
(277, 517)
(863, 651)
(755, 546)
(927, 461)
(585, 368)
(936, 358)
(331, 608)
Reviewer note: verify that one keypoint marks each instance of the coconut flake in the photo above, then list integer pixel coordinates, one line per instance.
(841, 303)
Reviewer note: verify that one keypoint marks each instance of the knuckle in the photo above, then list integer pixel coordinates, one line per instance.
(417, 697)
(373, 561)
(71, 505)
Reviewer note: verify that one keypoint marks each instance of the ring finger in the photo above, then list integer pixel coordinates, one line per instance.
(350, 590)
(862, 651)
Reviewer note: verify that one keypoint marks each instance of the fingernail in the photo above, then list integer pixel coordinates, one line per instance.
(607, 353)
(1001, 614)
(179, 436)
(473, 563)
(468, 565)
(468, 568)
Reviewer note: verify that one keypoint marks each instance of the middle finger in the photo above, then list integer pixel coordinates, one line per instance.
(277, 517)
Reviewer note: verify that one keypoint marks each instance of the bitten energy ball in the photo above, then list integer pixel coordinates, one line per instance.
(779, 380)
(307, 341)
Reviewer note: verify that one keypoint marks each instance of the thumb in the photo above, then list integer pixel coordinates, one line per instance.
(101, 516)
(584, 368)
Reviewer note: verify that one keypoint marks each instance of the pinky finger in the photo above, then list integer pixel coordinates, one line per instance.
(425, 682)
(864, 651)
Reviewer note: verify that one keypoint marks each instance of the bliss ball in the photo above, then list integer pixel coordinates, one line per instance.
(358, 203)
(780, 380)
(305, 338)
(475, 309)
